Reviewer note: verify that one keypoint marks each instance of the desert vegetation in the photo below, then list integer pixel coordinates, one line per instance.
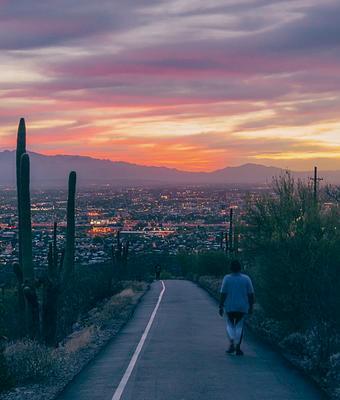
(290, 245)
(41, 307)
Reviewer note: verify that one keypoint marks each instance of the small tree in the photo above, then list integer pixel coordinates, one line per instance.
(293, 248)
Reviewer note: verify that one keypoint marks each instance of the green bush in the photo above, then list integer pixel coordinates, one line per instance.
(334, 370)
(29, 361)
(209, 263)
(296, 343)
(6, 380)
(293, 250)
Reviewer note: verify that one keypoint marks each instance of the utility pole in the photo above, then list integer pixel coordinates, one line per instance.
(316, 181)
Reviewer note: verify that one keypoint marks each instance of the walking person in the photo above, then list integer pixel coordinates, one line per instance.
(237, 300)
(158, 271)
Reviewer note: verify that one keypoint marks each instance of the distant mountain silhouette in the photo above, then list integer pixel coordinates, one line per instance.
(53, 170)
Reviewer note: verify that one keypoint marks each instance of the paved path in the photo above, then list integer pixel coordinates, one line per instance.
(183, 357)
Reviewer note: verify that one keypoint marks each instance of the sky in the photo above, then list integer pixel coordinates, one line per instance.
(190, 84)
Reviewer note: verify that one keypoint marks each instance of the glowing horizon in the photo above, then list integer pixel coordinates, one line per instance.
(192, 86)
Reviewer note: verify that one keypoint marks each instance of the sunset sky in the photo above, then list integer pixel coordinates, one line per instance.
(191, 84)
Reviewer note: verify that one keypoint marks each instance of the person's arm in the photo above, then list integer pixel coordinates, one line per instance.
(221, 306)
(251, 297)
(222, 297)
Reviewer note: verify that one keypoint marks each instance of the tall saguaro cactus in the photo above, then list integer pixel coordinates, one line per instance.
(68, 305)
(28, 301)
(68, 265)
(25, 219)
(21, 149)
(25, 246)
(52, 282)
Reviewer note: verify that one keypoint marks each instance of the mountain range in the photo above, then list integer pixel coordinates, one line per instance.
(53, 170)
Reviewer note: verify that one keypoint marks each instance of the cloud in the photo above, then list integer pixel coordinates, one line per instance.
(217, 82)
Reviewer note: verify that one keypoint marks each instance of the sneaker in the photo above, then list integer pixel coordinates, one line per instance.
(239, 352)
(231, 349)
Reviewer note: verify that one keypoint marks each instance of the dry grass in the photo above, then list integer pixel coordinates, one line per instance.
(109, 311)
(125, 293)
(79, 340)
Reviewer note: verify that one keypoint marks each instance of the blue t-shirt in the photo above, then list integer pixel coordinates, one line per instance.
(237, 287)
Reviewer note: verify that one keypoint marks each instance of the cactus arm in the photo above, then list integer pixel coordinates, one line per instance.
(68, 264)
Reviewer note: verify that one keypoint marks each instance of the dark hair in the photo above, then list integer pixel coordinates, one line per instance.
(235, 266)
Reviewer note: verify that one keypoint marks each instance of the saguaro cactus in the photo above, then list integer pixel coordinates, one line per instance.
(68, 265)
(21, 149)
(24, 269)
(25, 217)
(67, 303)
(25, 226)
(51, 292)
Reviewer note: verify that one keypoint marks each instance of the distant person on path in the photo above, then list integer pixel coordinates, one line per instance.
(237, 300)
(158, 270)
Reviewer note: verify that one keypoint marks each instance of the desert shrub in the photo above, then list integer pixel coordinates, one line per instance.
(294, 256)
(211, 284)
(166, 275)
(210, 263)
(2, 319)
(9, 316)
(29, 361)
(334, 370)
(296, 343)
(110, 310)
(6, 381)
(269, 328)
(335, 363)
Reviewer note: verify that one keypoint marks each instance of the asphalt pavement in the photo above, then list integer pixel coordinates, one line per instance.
(173, 348)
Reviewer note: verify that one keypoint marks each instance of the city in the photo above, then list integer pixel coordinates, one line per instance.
(153, 220)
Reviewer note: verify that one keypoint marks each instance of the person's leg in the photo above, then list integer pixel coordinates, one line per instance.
(239, 325)
(231, 332)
